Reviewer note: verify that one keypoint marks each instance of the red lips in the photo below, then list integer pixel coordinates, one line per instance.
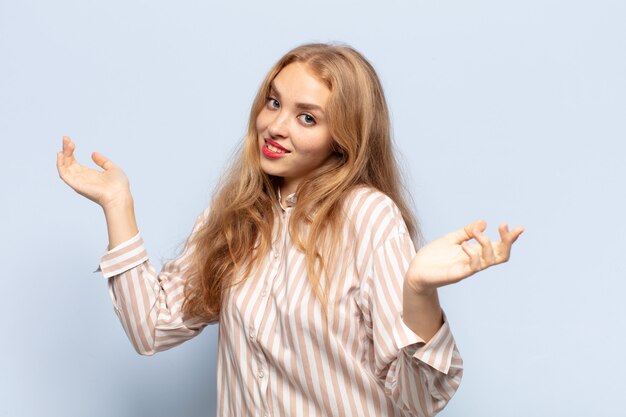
(275, 144)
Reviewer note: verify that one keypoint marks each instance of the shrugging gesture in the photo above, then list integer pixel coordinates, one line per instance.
(451, 258)
(445, 261)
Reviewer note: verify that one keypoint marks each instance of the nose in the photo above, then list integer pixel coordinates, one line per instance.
(278, 125)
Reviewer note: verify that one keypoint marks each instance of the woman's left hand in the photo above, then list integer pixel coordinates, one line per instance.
(451, 258)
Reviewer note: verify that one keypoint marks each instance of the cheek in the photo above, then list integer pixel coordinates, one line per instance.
(261, 121)
(315, 147)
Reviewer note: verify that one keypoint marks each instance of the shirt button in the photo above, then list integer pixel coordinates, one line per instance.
(275, 255)
(251, 332)
(261, 373)
(263, 293)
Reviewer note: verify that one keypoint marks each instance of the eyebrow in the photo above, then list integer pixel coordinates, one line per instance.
(302, 106)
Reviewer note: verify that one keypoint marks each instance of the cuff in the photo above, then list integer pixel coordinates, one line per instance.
(123, 257)
(437, 353)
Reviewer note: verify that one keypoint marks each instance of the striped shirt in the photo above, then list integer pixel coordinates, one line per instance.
(276, 357)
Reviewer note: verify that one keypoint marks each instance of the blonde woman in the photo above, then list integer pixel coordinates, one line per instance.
(306, 257)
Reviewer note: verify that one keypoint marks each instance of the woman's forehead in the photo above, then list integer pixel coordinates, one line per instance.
(297, 83)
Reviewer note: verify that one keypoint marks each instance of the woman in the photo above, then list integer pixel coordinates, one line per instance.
(305, 257)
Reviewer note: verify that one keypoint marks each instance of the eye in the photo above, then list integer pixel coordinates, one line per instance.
(272, 103)
(307, 119)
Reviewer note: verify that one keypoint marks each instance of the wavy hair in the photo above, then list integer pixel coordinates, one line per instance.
(238, 230)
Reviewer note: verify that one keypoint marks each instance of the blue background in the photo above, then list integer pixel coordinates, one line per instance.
(507, 111)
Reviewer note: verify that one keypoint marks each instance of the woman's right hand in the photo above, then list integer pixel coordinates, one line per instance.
(106, 188)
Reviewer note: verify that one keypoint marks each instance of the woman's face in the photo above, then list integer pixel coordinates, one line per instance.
(293, 130)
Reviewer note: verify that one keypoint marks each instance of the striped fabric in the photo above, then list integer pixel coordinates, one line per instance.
(276, 356)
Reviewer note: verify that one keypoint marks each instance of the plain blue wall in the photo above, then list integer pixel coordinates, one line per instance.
(508, 111)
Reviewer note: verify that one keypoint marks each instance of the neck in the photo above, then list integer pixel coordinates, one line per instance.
(287, 188)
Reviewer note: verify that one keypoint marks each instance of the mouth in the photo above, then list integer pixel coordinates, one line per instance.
(274, 146)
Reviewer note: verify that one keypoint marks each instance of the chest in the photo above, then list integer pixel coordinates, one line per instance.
(276, 309)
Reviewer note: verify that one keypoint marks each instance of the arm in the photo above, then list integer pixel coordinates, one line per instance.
(149, 305)
(420, 375)
(120, 219)
(445, 261)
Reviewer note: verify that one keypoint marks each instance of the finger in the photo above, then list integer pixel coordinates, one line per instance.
(66, 142)
(474, 256)
(102, 161)
(515, 233)
(60, 161)
(503, 229)
(487, 249)
(61, 168)
(68, 148)
(507, 236)
(466, 233)
(503, 248)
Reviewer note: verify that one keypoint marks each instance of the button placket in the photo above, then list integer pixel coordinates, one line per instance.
(278, 253)
(280, 245)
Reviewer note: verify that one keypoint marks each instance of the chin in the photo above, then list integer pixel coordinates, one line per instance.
(270, 170)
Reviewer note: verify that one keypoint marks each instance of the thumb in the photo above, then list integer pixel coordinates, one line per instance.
(467, 232)
(102, 161)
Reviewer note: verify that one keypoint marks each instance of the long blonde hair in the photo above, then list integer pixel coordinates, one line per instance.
(242, 214)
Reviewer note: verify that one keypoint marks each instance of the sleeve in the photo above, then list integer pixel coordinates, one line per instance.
(420, 377)
(149, 305)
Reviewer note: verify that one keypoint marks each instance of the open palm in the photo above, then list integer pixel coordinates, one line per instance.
(102, 187)
(451, 258)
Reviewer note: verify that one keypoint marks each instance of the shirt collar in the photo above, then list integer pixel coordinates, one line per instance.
(290, 199)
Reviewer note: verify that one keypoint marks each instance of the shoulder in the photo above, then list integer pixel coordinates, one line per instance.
(373, 214)
(201, 219)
